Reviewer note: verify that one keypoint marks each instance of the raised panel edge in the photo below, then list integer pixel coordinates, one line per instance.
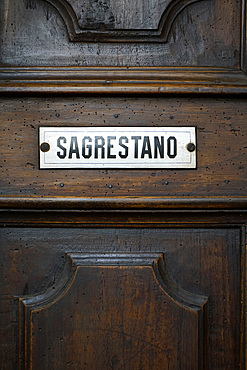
(30, 304)
(159, 35)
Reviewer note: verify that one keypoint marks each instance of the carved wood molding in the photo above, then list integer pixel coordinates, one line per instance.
(99, 29)
(85, 279)
(125, 203)
(212, 218)
(122, 80)
(154, 260)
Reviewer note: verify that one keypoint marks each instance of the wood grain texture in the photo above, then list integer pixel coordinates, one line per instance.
(221, 154)
(101, 304)
(122, 80)
(81, 252)
(125, 203)
(204, 261)
(119, 21)
(32, 33)
(107, 218)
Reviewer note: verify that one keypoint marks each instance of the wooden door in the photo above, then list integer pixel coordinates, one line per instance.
(123, 268)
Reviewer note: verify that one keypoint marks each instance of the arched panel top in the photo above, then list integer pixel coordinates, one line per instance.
(119, 21)
(112, 303)
(155, 261)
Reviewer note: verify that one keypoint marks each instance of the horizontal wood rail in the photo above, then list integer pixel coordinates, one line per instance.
(125, 203)
(122, 80)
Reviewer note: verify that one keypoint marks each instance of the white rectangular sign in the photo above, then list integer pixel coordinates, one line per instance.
(117, 147)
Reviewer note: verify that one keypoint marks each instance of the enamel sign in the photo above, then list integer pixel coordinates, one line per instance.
(117, 147)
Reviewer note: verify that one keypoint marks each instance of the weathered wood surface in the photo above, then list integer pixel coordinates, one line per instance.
(119, 21)
(137, 335)
(221, 152)
(201, 261)
(125, 307)
(119, 80)
(206, 33)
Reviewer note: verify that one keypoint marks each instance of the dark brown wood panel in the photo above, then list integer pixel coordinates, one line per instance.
(117, 310)
(202, 261)
(205, 33)
(113, 269)
(221, 136)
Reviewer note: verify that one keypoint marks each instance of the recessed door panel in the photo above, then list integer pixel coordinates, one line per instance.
(125, 296)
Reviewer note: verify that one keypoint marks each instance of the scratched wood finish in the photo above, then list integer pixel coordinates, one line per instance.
(33, 33)
(118, 14)
(119, 21)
